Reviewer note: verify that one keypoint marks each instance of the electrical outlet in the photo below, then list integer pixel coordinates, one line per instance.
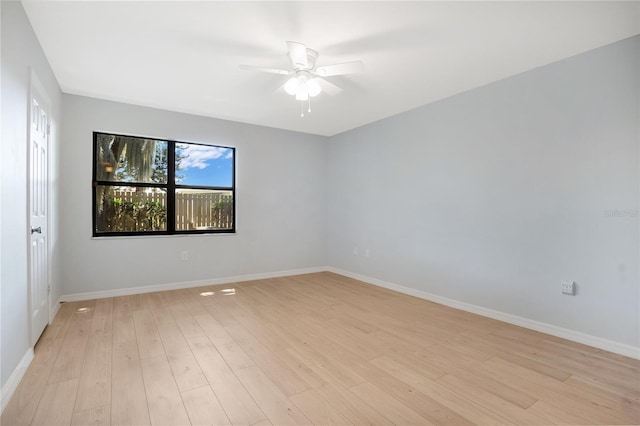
(569, 287)
(184, 255)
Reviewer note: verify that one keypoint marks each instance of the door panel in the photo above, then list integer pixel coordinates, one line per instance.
(38, 210)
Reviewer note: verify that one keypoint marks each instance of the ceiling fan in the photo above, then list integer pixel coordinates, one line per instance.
(306, 79)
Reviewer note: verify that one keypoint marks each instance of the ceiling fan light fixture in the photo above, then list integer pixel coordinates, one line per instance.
(291, 86)
(313, 87)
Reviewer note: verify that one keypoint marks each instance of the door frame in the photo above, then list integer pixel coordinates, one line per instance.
(36, 86)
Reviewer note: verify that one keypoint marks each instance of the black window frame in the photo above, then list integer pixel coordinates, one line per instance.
(170, 187)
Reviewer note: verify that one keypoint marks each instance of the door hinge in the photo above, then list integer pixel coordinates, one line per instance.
(48, 129)
(48, 289)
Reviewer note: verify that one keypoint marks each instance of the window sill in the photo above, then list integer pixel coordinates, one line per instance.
(136, 237)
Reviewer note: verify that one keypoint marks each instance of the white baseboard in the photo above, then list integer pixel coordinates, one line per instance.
(186, 284)
(14, 380)
(576, 336)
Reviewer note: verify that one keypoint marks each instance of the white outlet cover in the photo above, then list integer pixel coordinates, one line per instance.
(568, 287)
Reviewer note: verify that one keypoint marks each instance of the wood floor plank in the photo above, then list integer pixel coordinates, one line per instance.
(627, 401)
(192, 302)
(275, 404)
(393, 409)
(270, 364)
(557, 393)
(220, 313)
(185, 321)
(95, 379)
(592, 367)
(164, 400)
(426, 367)
(329, 369)
(56, 404)
(469, 410)
(203, 407)
(71, 356)
(149, 341)
(129, 400)
(156, 304)
(236, 401)
(243, 315)
(98, 416)
(128, 397)
(317, 410)
(263, 423)
(342, 316)
(173, 340)
(425, 406)
(486, 399)
(364, 344)
(232, 353)
(472, 371)
(301, 367)
(556, 415)
(511, 354)
(187, 372)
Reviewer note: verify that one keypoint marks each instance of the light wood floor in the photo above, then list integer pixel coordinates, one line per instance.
(316, 348)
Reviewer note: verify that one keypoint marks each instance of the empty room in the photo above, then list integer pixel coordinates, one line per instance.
(315, 213)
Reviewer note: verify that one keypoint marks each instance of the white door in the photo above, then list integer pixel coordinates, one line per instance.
(38, 209)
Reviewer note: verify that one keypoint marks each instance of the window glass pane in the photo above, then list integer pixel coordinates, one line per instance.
(204, 165)
(130, 209)
(198, 209)
(129, 159)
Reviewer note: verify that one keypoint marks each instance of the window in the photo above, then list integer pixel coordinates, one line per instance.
(144, 186)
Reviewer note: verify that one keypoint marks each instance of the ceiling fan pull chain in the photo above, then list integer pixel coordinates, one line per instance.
(309, 104)
(301, 108)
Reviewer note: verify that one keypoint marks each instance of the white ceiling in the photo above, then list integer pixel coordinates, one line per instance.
(184, 56)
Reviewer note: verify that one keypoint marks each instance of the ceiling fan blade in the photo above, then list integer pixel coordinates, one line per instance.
(270, 70)
(328, 87)
(298, 54)
(280, 90)
(340, 69)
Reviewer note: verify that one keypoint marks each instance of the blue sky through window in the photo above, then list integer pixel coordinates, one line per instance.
(203, 165)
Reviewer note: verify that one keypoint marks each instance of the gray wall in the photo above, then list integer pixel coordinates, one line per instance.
(281, 202)
(21, 52)
(494, 196)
